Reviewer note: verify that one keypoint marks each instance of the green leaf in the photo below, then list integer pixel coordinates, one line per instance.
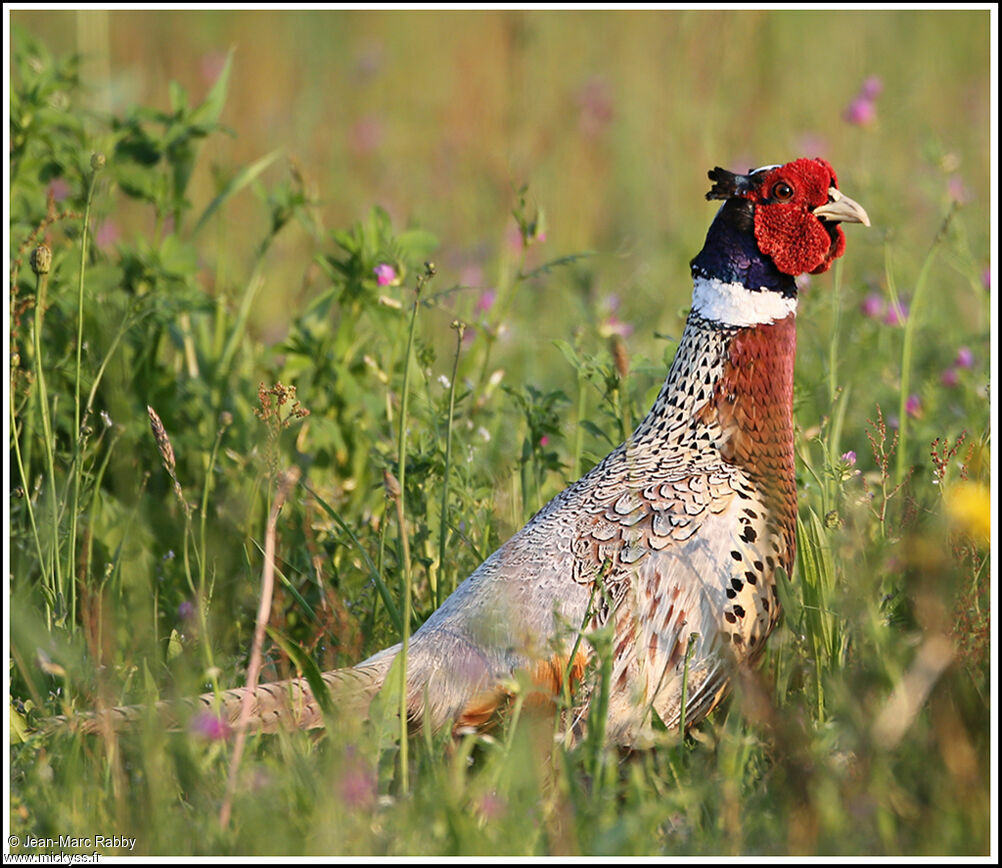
(417, 243)
(306, 665)
(178, 97)
(789, 600)
(384, 710)
(138, 181)
(569, 353)
(594, 430)
(18, 727)
(210, 110)
(237, 183)
(178, 258)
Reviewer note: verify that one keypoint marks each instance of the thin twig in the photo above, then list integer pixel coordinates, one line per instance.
(285, 485)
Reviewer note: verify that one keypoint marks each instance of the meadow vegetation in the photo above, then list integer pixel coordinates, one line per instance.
(186, 327)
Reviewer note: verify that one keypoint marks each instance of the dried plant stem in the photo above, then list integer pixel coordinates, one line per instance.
(286, 483)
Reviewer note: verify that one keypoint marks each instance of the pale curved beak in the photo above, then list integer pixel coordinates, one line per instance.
(841, 209)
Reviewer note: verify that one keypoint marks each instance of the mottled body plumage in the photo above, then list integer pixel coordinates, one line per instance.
(674, 539)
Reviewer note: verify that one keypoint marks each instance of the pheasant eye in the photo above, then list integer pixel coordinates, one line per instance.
(782, 191)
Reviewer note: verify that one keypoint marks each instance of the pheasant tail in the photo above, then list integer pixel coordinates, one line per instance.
(275, 705)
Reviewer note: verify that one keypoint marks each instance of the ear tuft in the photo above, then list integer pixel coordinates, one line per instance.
(725, 184)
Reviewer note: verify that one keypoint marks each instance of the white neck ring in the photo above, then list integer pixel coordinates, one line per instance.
(736, 305)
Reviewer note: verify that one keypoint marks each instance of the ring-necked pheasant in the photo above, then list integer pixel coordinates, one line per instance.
(677, 534)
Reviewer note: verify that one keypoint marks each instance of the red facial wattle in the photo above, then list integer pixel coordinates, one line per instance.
(787, 230)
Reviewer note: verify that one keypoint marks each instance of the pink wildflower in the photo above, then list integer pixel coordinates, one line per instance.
(957, 190)
(897, 313)
(486, 300)
(613, 325)
(872, 87)
(965, 358)
(492, 806)
(357, 787)
(872, 306)
(210, 726)
(106, 234)
(385, 274)
(913, 406)
(949, 378)
(862, 111)
(58, 189)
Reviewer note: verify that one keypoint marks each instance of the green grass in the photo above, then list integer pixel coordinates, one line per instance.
(262, 340)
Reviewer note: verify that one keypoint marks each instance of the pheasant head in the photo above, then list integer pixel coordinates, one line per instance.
(796, 210)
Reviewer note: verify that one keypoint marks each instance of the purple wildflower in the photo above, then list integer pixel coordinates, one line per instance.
(492, 806)
(965, 358)
(613, 325)
(949, 378)
(872, 87)
(897, 313)
(913, 406)
(210, 726)
(862, 111)
(58, 189)
(957, 190)
(849, 457)
(872, 306)
(358, 787)
(186, 610)
(106, 234)
(486, 300)
(385, 274)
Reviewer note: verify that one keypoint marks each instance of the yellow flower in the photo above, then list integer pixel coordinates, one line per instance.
(969, 508)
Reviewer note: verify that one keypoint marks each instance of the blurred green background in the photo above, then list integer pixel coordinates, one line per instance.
(611, 118)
